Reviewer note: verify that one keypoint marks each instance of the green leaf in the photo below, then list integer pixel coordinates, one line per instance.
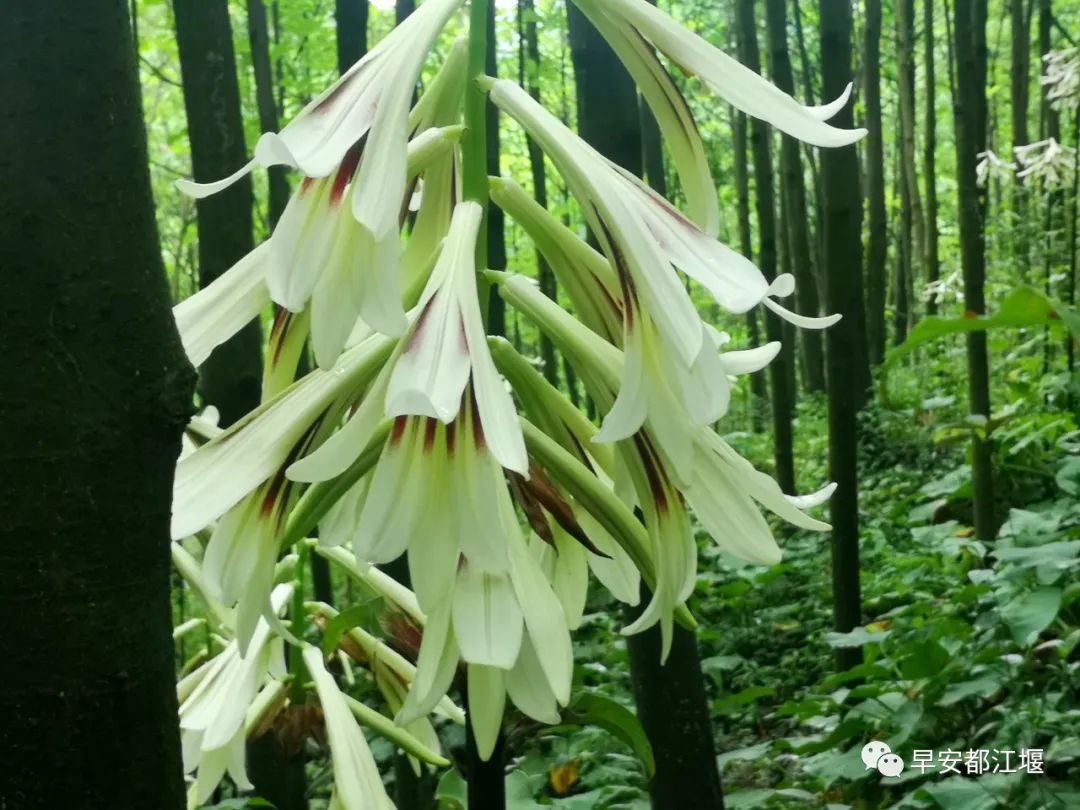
(752, 752)
(925, 660)
(856, 638)
(451, 792)
(960, 793)
(591, 708)
(1031, 613)
(363, 614)
(1061, 553)
(1022, 308)
(983, 686)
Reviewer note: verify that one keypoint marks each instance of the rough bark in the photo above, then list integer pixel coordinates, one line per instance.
(231, 379)
(529, 77)
(758, 395)
(847, 370)
(915, 231)
(1021, 69)
(96, 394)
(903, 276)
(351, 21)
(259, 38)
(277, 771)
(780, 394)
(971, 125)
(932, 259)
(672, 706)
(807, 71)
(878, 239)
(402, 9)
(686, 771)
(796, 222)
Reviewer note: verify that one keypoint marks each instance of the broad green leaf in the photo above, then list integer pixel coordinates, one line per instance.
(1030, 614)
(594, 709)
(983, 686)
(1024, 307)
(752, 752)
(924, 660)
(451, 792)
(856, 638)
(749, 695)
(364, 614)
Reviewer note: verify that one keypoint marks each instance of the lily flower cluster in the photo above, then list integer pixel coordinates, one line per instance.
(1061, 78)
(420, 434)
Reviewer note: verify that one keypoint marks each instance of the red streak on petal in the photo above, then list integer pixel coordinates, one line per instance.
(477, 427)
(345, 172)
(652, 471)
(421, 323)
(451, 438)
(430, 426)
(398, 430)
(282, 320)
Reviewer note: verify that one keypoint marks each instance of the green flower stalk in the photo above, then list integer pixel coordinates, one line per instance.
(408, 440)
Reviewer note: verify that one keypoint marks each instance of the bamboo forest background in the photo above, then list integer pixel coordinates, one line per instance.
(967, 632)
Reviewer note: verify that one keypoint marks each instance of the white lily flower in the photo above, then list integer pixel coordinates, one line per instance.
(287, 268)
(444, 351)
(223, 471)
(1048, 162)
(447, 349)
(357, 783)
(645, 238)
(1062, 78)
(720, 485)
(371, 99)
(213, 714)
(725, 76)
(991, 167)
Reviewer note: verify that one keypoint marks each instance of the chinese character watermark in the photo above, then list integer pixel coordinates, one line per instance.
(877, 755)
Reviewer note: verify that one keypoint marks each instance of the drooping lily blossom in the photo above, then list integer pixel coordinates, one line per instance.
(645, 238)
(407, 439)
(350, 143)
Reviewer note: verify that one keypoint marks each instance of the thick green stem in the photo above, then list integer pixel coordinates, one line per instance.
(298, 615)
(474, 142)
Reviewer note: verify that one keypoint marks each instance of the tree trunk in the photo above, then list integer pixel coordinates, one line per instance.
(1020, 12)
(1049, 127)
(681, 734)
(673, 708)
(1021, 69)
(259, 37)
(847, 370)
(529, 77)
(96, 394)
(351, 21)
(758, 398)
(402, 9)
(780, 394)
(797, 222)
(277, 772)
(811, 151)
(878, 238)
(915, 231)
(904, 268)
(231, 379)
(970, 31)
(932, 259)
